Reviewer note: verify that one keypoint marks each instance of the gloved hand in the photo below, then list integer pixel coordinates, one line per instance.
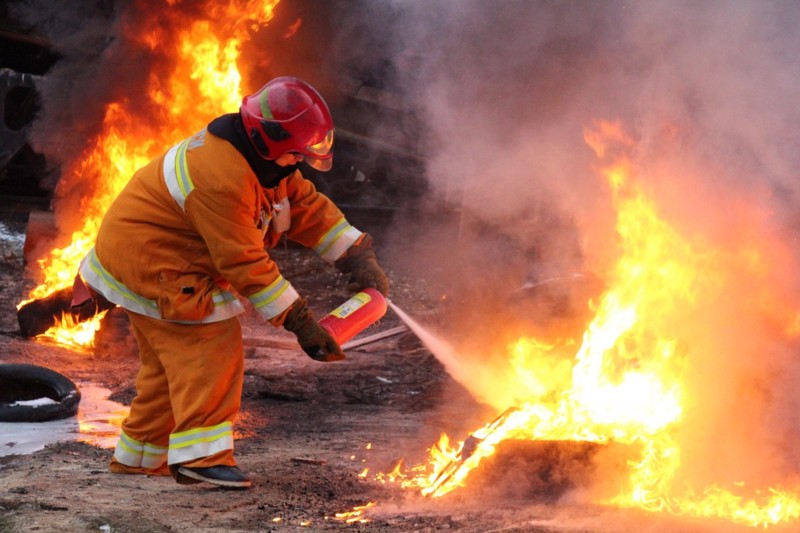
(312, 338)
(359, 261)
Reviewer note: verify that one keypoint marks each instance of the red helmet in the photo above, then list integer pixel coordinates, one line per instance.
(289, 115)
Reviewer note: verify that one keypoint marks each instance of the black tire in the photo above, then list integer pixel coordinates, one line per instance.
(23, 383)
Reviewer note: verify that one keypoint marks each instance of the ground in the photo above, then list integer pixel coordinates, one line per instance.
(306, 429)
(306, 432)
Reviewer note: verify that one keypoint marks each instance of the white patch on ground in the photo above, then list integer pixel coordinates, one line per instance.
(38, 402)
(97, 423)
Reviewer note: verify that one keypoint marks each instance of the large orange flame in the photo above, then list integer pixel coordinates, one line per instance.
(198, 80)
(629, 381)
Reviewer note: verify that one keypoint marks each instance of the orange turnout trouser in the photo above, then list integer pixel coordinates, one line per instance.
(188, 391)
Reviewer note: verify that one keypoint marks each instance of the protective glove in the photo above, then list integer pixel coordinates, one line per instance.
(359, 261)
(312, 338)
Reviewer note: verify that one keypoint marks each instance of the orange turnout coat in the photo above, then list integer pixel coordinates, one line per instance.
(185, 239)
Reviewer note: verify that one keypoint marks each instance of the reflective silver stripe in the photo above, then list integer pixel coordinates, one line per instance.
(153, 456)
(226, 305)
(100, 280)
(198, 139)
(200, 442)
(131, 452)
(128, 451)
(337, 240)
(223, 297)
(176, 173)
(274, 299)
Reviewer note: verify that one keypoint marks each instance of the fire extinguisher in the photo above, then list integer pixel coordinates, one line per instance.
(355, 315)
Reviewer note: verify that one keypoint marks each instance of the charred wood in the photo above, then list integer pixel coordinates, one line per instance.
(536, 470)
(37, 316)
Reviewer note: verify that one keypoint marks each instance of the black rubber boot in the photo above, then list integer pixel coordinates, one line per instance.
(224, 476)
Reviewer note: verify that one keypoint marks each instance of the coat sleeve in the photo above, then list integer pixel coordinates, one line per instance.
(316, 221)
(224, 218)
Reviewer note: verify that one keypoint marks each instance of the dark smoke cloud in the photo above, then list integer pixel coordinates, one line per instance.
(73, 89)
(102, 60)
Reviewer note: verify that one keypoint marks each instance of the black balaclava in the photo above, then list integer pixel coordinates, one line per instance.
(231, 128)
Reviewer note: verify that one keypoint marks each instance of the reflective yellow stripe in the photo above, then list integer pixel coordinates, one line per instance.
(182, 168)
(154, 451)
(114, 285)
(263, 102)
(199, 442)
(129, 444)
(337, 240)
(274, 299)
(226, 305)
(132, 452)
(330, 236)
(270, 293)
(176, 168)
(197, 435)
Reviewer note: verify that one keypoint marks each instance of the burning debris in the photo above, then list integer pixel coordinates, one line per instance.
(483, 441)
(58, 311)
(628, 383)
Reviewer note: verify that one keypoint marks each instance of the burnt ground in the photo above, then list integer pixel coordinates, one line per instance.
(305, 432)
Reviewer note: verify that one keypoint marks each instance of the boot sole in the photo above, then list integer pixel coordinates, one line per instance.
(187, 477)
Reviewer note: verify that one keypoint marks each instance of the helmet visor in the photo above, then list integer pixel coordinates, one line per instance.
(323, 147)
(323, 165)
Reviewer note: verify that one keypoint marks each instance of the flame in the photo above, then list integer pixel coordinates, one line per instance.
(293, 28)
(71, 333)
(627, 381)
(198, 80)
(356, 515)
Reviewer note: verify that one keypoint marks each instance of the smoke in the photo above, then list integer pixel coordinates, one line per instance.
(506, 90)
(99, 64)
(79, 32)
(708, 91)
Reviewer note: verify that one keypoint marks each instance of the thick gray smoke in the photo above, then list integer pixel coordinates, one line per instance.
(708, 92)
(506, 89)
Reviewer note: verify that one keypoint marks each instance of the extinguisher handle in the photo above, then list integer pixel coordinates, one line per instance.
(318, 343)
(330, 352)
(315, 340)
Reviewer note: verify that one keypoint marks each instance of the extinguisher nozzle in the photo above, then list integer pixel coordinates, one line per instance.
(317, 353)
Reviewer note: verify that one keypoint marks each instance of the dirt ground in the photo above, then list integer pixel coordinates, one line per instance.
(305, 433)
(306, 429)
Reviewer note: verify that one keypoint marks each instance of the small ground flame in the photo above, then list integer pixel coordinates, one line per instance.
(356, 515)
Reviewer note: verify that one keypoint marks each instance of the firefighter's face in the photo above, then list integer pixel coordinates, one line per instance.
(288, 159)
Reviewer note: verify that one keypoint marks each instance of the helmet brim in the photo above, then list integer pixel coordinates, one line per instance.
(323, 165)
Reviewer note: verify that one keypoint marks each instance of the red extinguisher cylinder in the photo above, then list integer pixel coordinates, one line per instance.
(355, 315)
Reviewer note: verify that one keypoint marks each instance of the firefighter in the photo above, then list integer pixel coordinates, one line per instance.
(189, 233)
